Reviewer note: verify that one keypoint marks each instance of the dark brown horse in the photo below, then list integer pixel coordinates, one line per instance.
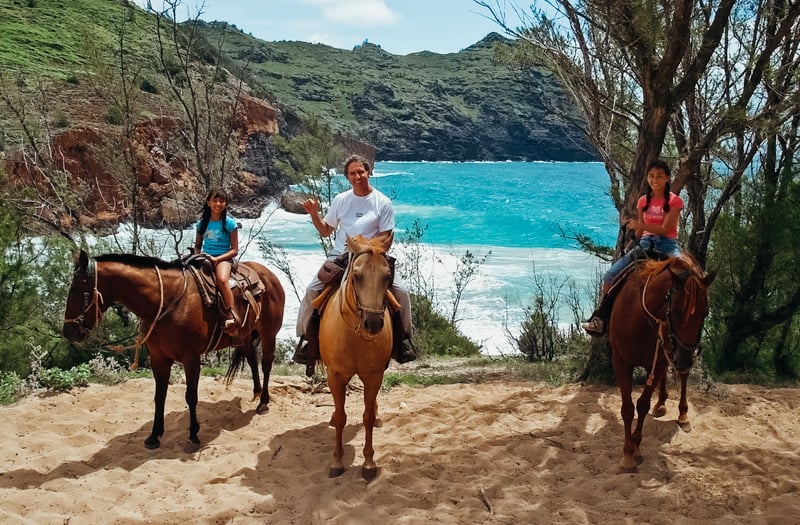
(655, 324)
(175, 323)
(355, 338)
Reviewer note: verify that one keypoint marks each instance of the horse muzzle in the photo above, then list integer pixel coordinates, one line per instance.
(372, 322)
(74, 332)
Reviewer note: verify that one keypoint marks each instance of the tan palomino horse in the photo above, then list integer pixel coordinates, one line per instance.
(179, 327)
(355, 338)
(655, 324)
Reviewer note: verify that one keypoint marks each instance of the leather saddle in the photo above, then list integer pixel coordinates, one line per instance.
(243, 278)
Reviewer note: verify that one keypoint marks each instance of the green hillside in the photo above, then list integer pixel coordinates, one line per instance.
(58, 38)
(421, 106)
(457, 106)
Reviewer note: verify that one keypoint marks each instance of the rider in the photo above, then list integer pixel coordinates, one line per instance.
(360, 210)
(218, 237)
(656, 228)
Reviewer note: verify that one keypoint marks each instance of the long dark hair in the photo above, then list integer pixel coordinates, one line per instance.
(658, 164)
(206, 216)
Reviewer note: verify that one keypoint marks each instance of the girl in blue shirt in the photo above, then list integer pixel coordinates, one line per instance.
(218, 237)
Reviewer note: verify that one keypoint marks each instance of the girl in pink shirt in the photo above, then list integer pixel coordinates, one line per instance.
(656, 228)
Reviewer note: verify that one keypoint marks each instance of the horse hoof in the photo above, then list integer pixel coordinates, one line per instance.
(659, 411)
(628, 466)
(369, 473)
(335, 472)
(263, 408)
(686, 426)
(152, 444)
(191, 447)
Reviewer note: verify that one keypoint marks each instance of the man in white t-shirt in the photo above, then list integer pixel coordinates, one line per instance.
(361, 210)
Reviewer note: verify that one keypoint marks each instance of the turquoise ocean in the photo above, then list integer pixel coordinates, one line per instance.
(511, 212)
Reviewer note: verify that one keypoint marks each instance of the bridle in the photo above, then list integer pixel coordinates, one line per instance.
(667, 339)
(96, 301)
(359, 306)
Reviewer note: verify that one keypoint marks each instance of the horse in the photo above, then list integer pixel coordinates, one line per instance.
(355, 338)
(179, 326)
(656, 324)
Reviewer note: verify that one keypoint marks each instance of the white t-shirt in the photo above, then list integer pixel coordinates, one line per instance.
(352, 215)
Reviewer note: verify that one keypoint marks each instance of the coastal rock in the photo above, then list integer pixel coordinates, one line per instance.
(292, 201)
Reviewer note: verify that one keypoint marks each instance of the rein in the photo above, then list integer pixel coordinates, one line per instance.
(97, 300)
(664, 326)
(361, 308)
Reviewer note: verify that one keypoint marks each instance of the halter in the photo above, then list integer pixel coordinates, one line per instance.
(97, 300)
(361, 308)
(665, 327)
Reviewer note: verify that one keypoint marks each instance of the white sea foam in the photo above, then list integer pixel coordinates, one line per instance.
(492, 305)
(507, 206)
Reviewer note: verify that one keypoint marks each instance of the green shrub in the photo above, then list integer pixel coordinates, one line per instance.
(435, 335)
(65, 380)
(114, 116)
(148, 87)
(10, 388)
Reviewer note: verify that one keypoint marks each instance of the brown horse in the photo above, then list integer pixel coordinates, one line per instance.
(656, 323)
(355, 338)
(178, 326)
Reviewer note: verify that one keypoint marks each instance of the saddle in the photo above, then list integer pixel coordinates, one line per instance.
(331, 274)
(243, 278)
(640, 254)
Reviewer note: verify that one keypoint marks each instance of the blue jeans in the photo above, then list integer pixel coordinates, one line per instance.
(658, 243)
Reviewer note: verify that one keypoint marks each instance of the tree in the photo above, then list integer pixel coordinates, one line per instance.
(704, 84)
(199, 84)
(311, 158)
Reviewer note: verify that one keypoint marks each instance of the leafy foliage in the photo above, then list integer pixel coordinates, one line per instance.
(435, 335)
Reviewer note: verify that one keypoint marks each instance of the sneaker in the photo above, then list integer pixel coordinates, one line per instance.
(230, 325)
(594, 326)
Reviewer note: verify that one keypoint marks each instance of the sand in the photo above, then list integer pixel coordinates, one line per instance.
(493, 452)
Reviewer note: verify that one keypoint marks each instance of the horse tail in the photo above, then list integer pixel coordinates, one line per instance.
(237, 362)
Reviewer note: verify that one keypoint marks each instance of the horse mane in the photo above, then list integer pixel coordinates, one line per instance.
(691, 274)
(139, 261)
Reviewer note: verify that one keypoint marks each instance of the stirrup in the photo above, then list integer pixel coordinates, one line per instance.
(301, 352)
(230, 324)
(406, 352)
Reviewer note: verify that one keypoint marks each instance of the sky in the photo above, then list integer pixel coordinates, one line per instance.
(398, 26)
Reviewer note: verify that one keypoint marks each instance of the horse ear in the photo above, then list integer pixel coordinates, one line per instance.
(351, 245)
(83, 260)
(709, 278)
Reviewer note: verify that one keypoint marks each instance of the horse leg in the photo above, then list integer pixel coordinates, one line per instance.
(161, 368)
(683, 405)
(642, 409)
(191, 368)
(249, 351)
(372, 385)
(624, 377)
(267, 359)
(661, 406)
(337, 383)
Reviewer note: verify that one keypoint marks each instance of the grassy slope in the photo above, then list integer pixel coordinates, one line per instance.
(56, 38)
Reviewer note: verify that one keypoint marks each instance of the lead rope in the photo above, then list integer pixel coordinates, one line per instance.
(137, 346)
(659, 333)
